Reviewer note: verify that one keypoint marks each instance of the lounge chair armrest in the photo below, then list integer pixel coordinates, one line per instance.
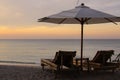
(48, 62)
(93, 64)
(113, 64)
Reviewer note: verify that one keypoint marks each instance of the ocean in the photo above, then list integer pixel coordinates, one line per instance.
(33, 50)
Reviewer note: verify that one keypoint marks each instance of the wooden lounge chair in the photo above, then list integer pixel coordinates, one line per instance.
(62, 60)
(102, 61)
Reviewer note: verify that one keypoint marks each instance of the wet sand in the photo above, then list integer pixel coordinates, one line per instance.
(34, 72)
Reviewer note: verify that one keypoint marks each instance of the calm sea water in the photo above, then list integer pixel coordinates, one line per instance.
(32, 50)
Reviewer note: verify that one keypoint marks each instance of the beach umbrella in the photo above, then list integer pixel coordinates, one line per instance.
(81, 15)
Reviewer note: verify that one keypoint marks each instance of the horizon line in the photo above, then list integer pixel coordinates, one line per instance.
(56, 38)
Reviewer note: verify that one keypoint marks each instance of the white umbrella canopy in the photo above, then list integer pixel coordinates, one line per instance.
(81, 15)
(74, 16)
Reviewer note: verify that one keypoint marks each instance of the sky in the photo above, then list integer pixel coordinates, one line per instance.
(18, 20)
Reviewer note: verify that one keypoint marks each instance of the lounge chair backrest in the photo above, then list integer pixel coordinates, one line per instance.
(64, 58)
(103, 56)
(117, 59)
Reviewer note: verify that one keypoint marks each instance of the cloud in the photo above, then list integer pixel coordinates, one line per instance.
(26, 12)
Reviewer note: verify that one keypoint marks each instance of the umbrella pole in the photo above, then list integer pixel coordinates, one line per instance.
(81, 45)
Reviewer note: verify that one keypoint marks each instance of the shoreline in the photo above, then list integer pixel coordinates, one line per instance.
(18, 62)
(15, 63)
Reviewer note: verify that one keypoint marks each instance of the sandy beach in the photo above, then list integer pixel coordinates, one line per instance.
(34, 72)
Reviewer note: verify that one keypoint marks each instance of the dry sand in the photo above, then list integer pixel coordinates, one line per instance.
(31, 72)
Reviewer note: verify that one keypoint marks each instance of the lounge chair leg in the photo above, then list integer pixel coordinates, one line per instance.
(113, 70)
(42, 66)
(56, 72)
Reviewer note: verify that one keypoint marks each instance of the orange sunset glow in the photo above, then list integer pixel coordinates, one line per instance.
(60, 31)
(18, 21)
